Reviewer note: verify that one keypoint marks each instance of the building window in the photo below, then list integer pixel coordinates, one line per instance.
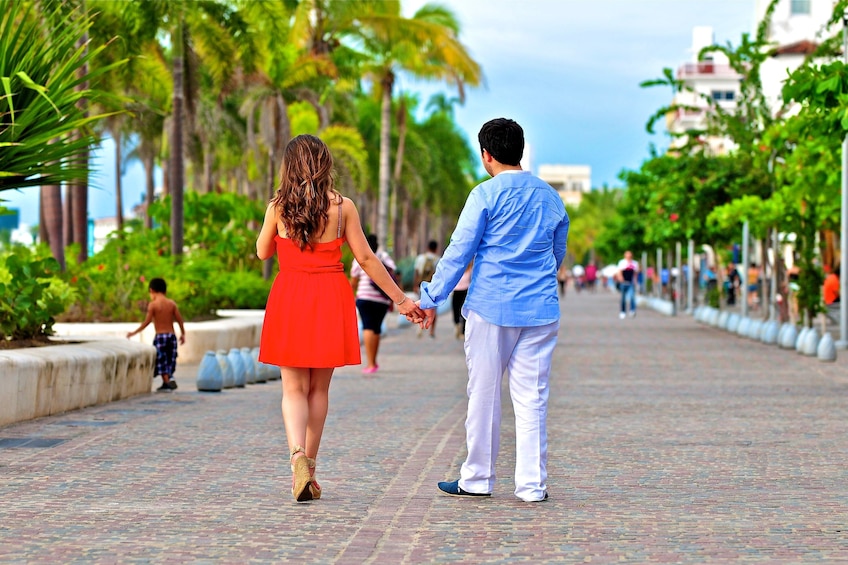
(800, 7)
(576, 186)
(723, 95)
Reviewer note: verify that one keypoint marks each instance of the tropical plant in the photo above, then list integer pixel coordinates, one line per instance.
(44, 134)
(425, 46)
(33, 294)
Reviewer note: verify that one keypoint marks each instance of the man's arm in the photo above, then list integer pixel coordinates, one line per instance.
(561, 240)
(463, 244)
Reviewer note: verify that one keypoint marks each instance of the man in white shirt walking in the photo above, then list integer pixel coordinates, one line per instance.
(626, 277)
(514, 226)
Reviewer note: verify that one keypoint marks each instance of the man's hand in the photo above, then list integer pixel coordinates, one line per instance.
(429, 316)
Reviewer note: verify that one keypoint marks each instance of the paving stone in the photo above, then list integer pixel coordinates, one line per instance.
(670, 442)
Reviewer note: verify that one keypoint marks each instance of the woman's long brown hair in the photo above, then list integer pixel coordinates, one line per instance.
(306, 181)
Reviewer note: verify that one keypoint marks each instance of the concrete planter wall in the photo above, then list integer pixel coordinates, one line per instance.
(42, 381)
(232, 331)
(106, 367)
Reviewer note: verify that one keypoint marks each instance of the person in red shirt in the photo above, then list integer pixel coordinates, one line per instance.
(830, 291)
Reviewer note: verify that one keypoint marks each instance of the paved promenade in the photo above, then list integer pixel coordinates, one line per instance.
(670, 442)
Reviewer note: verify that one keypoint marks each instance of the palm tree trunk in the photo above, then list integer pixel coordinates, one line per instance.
(176, 184)
(51, 221)
(150, 189)
(67, 218)
(385, 167)
(119, 198)
(79, 192)
(397, 226)
(268, 266)
(79, 211)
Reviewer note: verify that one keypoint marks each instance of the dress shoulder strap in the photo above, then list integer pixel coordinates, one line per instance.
(339, 233)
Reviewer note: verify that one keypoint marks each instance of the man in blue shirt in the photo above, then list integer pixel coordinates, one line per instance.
(514, 227)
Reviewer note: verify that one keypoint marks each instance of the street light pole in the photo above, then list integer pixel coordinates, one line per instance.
(843, 225)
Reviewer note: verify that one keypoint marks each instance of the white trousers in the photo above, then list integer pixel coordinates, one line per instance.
(526, 353)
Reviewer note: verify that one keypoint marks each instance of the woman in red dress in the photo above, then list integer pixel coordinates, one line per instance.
(310, 323)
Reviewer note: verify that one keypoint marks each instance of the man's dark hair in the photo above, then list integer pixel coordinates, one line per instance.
(433, 245)
(158, 285)
(503, 139)
(372, 241)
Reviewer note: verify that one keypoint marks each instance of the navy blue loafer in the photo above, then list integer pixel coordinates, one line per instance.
(454, 490)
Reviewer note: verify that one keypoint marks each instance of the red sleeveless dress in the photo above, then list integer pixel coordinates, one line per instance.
(310, 317)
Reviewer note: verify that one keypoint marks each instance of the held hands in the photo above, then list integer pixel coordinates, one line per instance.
(424, 318)
(411, 310)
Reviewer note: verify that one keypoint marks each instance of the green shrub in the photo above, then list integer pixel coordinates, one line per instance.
(219, 269)
(32, 294)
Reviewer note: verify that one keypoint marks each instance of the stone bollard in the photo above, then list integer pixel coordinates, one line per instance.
(712, 317)
(238, 367)
(733, 322)
(261, 373)
(273, 372)
(811, 343)
(722, 319)
(210, 376)
(249, 368)
(769, 332)
(226, 368)
(742, 328)
(826, 350)
(754, 329)
(799, 341)
(790, 334)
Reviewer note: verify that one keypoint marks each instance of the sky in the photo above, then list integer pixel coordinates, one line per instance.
(568, 71)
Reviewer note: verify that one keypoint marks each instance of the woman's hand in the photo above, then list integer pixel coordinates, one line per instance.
(411, 310)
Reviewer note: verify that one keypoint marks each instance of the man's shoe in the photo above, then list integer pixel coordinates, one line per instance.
(621, 316)
(172, 384)
(453, 490)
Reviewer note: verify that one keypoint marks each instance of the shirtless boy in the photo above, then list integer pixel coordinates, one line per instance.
(163, 312)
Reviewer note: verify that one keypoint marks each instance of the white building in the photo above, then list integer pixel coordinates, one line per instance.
(712, 77)
(796, 29)
(571, 181)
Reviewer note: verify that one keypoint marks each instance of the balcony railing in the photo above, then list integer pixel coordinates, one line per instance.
(706, 68)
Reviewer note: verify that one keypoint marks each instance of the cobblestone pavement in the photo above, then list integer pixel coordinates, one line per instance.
(669, 442)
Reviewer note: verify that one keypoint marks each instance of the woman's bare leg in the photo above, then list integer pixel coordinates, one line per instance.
(318, 399)
(295, 404)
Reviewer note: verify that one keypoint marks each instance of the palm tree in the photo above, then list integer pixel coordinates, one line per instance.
(425, 46)
(45, 134)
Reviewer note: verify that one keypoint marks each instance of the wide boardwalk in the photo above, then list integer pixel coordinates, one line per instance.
(669, 442)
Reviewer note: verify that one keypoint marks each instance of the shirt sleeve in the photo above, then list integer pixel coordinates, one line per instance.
(463, 245)
(561, 240)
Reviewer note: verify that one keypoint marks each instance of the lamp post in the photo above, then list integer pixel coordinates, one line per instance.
(843, 224)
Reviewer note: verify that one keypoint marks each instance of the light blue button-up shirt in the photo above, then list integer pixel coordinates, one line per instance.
(514, 226)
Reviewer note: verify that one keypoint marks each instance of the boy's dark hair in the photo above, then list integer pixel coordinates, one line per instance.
(433, 245)
(372, 242)
(503, 139)
(158, 285)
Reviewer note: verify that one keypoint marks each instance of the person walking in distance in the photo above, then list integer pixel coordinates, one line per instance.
(425, 266)
(458, 300)
(628, 269)
(310, 319)
(163, 312)
(372, 304)
(514, 226)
